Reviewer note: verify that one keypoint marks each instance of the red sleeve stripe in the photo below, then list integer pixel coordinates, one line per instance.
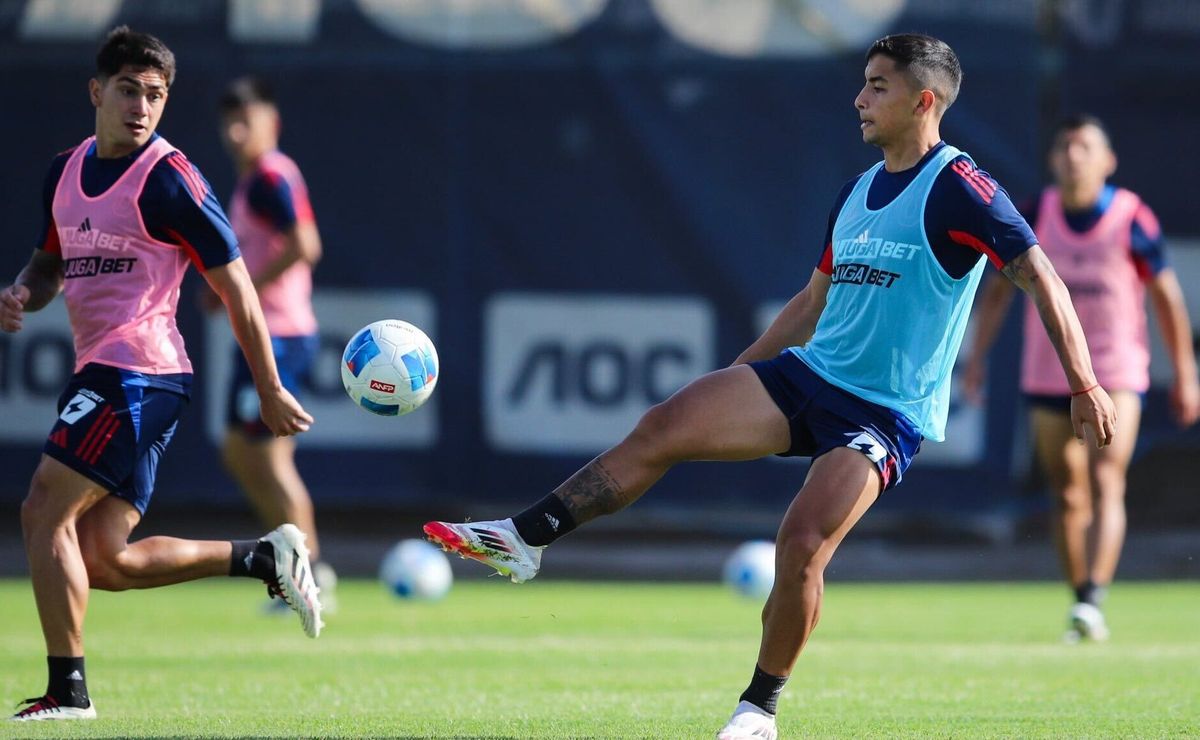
(194, 184)
(981, 184)
(1145, 272)
(52, 244)
(970, 240)
(826, 263)
(969, 170)
(192, 254)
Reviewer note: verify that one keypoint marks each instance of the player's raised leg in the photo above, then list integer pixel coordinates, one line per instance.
(279, 559)
(724, 415)
(841, 486)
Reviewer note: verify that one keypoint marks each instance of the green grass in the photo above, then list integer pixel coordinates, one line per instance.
(557, 660)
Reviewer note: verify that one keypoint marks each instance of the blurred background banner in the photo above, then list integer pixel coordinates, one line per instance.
(586, 203)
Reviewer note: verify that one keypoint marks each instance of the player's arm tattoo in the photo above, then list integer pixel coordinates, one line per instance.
(592, 492)
(1022, 269)
(1031, 272)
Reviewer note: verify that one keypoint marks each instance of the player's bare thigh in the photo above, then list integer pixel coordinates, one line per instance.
(1129, 420)
(724, 415)
(1065, 460)
(58, 493)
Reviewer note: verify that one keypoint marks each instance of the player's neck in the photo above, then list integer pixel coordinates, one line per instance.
(905, 154)
(249, 163)
(1080, 197)
(108, 149)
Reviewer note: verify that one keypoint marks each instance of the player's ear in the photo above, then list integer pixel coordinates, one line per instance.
(926, 102)
(1112, 163)
(94, 89)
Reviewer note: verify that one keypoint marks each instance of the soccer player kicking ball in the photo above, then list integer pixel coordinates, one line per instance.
(1109, 249)
(854, 372)
(125, 214)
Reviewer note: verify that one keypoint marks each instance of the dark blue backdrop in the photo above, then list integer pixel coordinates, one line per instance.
(617, 160)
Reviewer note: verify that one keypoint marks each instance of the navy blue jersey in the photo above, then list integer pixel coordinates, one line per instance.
(1146, 244)
(966, 214)
(177, 204)
(271, 199)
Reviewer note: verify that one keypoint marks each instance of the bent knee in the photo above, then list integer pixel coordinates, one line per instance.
(40, 509)
(658, 433)
(105, 571)
(802, 553)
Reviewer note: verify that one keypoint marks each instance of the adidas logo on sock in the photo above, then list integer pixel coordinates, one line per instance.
(75, 675)
(553, 522)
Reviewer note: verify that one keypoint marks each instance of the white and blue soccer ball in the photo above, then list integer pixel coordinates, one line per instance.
(750, 569)
(415, 569)
(389, 367)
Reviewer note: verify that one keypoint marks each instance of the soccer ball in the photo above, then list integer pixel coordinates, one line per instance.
(415, 569)
(750, 569)
(389, 367)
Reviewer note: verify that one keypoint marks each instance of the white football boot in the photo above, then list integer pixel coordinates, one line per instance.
(749, 722)
(293, 580)
(45, 708)
(1087, 623)
(493, 543)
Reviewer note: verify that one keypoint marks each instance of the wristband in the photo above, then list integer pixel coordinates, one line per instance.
(1089, 389)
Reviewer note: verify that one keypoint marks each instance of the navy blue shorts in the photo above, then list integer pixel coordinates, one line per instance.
(293, 356)
(113, 427)
(823, 417)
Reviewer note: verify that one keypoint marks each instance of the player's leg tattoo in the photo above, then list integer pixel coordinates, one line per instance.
(593, 492)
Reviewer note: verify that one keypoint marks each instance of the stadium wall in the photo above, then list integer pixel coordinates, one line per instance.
(584, 204)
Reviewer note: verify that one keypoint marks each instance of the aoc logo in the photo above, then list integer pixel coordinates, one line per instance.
(855, 273)
(89, 266)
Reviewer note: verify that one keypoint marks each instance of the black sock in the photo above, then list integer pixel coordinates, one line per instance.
(544, 522)
(67, 684)
(763, 691)
(252, 559)
(1087, 593)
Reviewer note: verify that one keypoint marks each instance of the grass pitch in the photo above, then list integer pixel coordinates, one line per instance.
(572, 660)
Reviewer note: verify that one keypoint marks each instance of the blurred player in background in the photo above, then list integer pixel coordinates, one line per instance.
(1107, 246)
(854, 372)
(277, 235)
(125, 213)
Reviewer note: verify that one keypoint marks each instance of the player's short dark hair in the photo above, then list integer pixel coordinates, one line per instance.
(1076, 121)
(931, 62)
(124, 46)
(245, 91)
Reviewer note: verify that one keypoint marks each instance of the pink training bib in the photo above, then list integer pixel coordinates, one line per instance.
(122, 285)
(1098, 269)
(287, 300)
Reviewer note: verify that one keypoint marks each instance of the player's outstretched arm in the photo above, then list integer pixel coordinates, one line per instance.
(1090, 404)
(992, 307)
(1171, 310)
(37, 284)
(280, 411)
(794, 325)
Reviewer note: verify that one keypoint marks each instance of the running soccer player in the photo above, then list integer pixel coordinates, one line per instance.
(1107, 246)
(854, 372)
(278, 238)
(125, 214)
